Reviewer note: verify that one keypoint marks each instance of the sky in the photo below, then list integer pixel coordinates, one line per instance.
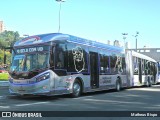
(98, 20)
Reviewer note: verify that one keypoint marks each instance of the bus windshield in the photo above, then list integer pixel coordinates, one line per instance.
(17, 63)
(30, 62)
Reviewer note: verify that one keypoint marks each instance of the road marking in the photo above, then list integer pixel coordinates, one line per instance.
(21, 105)
(150, 89)
(112, 101)
(37, 103)
(153, 88)
(82, 97)
(4, 106)
(2, 97)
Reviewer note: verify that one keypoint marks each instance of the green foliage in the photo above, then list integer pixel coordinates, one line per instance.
(7, 39)
(1, 56)
(4, 76)
(8, 57)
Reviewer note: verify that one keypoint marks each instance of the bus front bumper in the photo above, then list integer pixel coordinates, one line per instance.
(39, 88)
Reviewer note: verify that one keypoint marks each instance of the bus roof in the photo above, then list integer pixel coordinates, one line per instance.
(44, 38)
(139, 55)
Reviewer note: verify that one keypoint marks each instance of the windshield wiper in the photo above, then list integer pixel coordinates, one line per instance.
(34, 70)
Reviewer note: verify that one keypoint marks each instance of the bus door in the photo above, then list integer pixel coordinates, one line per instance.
(154, 72)
(140, 70)
(128, 66)
(94, 71)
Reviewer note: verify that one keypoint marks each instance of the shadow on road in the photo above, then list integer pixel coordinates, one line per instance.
(57, 97)
(137, 94)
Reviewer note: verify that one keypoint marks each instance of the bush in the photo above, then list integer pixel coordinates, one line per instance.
(4, 76)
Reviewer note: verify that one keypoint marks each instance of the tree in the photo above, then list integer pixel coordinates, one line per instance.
(1, 56)
(7, 39)
(5, 58)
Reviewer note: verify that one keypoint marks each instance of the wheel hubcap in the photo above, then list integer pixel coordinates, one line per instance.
(118, 86)
(76, 88)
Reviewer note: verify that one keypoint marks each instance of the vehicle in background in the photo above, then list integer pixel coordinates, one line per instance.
(2, 70)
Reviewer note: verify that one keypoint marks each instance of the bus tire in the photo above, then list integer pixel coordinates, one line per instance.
(77, 88)
(118, 85)
(149, 83)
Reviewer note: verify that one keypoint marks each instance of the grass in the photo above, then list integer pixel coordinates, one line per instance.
(4, 76)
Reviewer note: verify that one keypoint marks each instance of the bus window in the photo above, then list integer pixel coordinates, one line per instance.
(60, 55)
(36, 61)
(143, 67)
(104, 63)
(52, 57)
(18, 63)
(118, 64)
(146, 67)
(135, 64)
(123, 65)
(113, 59)
(77, 58)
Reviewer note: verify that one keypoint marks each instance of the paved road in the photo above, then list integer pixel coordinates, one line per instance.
(135, 99)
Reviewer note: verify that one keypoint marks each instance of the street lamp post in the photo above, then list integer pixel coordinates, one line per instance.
(59, 13)
(124, 38)
(137, 33)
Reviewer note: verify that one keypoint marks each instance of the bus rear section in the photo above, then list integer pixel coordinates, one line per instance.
(158, 80)
(142, 69)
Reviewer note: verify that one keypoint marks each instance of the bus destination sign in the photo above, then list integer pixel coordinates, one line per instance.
(31, 49)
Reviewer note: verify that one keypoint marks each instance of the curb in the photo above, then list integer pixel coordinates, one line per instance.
(4, 83)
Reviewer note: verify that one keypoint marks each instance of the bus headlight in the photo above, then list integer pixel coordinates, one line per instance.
(43, 77)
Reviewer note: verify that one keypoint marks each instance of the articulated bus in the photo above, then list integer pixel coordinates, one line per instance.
(142, 70)
(56, 64)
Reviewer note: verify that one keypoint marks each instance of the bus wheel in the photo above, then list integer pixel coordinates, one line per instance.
(149, 83)
(118, 86)
(76, 90)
